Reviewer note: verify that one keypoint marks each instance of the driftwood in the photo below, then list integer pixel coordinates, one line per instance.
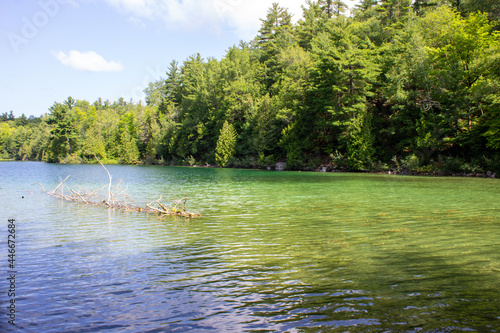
(117, 197)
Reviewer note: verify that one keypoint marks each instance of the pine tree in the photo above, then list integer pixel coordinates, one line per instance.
(226, 145)
(277, 19)
(346, 69)
(333, 8)
(64, 136)
(275, 34)
(129, 153)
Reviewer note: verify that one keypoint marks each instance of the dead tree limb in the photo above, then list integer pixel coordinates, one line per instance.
(117, 197)
(79, 195)
(54, 190)
(43, 189)
(109, 175)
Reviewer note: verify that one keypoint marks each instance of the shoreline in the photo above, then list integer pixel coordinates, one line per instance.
(407, 172)
(281, 166)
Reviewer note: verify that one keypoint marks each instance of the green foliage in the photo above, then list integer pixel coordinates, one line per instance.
(293, 146)
(265, 161)
(295, 158)
(64, 138)
(190, 161)
(333, 7)
(411, 162)
(360, 143)
(226, 145)
(129, 153)
(339, 161)
(416, 79)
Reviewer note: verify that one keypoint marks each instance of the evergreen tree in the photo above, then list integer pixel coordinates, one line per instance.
(172, 88)
(394, 11)
(399, 78)
(346, 68)
(313, 22)
(277, 20)
(422, 6)
(275, 34)
(129, 153)
(360, 149)
(333, 8)
(226, 145)
(64, 136)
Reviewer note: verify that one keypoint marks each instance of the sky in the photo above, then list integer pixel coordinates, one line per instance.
(86, 49)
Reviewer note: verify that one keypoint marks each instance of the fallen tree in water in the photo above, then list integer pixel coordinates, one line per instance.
(117, 197)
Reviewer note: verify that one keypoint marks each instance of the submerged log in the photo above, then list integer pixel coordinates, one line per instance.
(116, 197)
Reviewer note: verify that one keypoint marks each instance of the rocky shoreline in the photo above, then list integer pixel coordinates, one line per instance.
(406, 172)
(282, 166)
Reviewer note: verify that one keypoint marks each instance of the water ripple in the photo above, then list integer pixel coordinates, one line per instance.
(274, 252)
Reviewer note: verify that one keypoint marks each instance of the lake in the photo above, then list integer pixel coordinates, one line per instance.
(272, 252)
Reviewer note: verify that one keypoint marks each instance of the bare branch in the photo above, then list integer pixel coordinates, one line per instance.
(43, 189)
(109, 175)
(54, 190)
(78, 194)
(117, 197)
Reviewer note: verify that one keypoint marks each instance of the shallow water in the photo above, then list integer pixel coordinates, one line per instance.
(277, 252)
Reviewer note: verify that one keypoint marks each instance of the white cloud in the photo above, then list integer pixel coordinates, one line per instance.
(87, 61)
(137, 22)
(245, 15)
(241, 15)
(141, 8)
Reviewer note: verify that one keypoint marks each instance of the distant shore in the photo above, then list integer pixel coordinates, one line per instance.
(281, 166)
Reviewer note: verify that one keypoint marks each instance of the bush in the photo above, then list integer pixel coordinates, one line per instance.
(379, 166)
(450, 164)
(174, 161)
(71, 159)
(493, 164)
(472, 167)
(265, 161)
(411, 162)
(244, 162)
(295, 159)
(190, 161)
(338, 160)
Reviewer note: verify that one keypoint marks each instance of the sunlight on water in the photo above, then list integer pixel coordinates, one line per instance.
(287, 252)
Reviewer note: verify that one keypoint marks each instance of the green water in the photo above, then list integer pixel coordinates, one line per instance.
(290, 251)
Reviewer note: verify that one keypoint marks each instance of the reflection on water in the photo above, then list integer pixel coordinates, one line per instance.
(285, 252)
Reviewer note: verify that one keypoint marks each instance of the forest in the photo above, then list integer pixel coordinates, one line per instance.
(395, 85)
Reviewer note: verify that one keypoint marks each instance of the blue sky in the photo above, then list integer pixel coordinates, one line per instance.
(52, 49)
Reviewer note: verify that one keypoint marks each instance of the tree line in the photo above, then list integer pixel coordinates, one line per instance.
(397, 84)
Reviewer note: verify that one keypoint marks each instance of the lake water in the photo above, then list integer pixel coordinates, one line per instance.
(272, 252)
